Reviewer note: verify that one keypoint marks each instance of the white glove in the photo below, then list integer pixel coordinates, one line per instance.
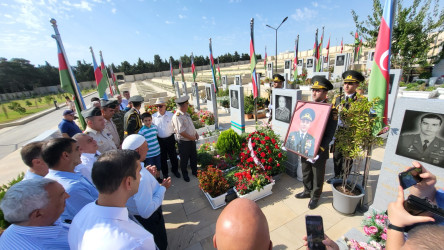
(313, 160)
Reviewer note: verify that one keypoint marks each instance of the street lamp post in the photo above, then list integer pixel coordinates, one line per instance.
(276, 29)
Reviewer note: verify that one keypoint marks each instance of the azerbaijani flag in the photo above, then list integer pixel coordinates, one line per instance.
(355, 56)
(359, 49)
(380, 77)
(295, 63)
(212, 68)
(172, 73)
(67, 84)
(100, 80)
(342, 45)
(319, 62)
(265, 60)
(328, 47)
(315, 50)
(218, 72)
(193, 67)
(116, 83)
(181, 70)
(105, 73)
(253, 61)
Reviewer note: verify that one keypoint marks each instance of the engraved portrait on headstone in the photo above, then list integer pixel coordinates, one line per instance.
(325, 59)
(283, 110)
(234, 99)
(340, 60)
(208, 91)
(299, 62)
(422, 137)
(309, 63)
(237, 80)
(287, 64)
(269, 66)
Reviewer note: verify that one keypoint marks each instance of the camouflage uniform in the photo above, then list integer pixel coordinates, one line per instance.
(118, 121)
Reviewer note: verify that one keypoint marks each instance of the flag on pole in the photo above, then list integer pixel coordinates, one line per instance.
(253, 61)
(172, 72)
(355, 55)
(100, 80)
(105, 73)
(212, 68)
(328, 47)
(295, 63)
(265, 60)
(193, 67)
(67, 78)
(218, 72)
(315, 50)
(181, 70)
(115, 82)
(380, 75)
(318, 65)
(359, 49)
(342, 45)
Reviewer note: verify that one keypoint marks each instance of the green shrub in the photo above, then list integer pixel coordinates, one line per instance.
(204, 159)
(15, 106)
(3, 223)
(28, 103)
(48, 99)
(228, 142)
(425, 75)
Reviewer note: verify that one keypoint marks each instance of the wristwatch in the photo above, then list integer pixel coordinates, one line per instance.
(396, 228)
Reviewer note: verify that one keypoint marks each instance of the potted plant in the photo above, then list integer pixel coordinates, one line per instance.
(214, 185)
(355, 141)
(253, 184)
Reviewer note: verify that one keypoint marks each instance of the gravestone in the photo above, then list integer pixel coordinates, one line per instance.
(310, 66)
(284, 102)
(395, 75)
(325, 62)
(258, 85)
(403, 147)
(224, 82)
(196, 96)
(341, 65)
(177, 89)
(287, 71)
(321, 58)
(300, 66)
(237, 80)
(237, 108)
(212, 102)
(370, 58)
(184, 88)
(270, 70)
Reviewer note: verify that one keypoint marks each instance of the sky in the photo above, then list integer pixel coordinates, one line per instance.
(132, 29)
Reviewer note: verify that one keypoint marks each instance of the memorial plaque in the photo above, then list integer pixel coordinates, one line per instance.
(300, 66)
(311, 67)
(212, 102)
(341, 65)
(208, 92)
(237, 80)
(237, 108)
(224, 82)
(196, 97)
(287, 72)
(177, 89)
(270, 70)
(413, 119)
(184, 88)
(325, 62)
(395, 75)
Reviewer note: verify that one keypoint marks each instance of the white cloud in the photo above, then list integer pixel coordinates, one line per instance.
(185, 8)
(304, 14)
(7, 16)
(235, 1)
(169, 22)
(137, 32)
(83, 5)
(315, 4)
(204, 17)
(114, 10)
(182, 16)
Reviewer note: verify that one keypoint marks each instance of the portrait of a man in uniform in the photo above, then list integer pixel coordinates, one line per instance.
(301, 141)
(283, 110)
(299, 62)
(208, 90)
(234, 99)
(287, 64)
(309, 63)
(237, 79)
(421, 137)
(340, 60)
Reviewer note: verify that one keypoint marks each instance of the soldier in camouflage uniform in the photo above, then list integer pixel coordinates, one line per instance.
(118, 119)
(132, 122)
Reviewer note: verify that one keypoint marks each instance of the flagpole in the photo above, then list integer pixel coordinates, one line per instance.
(252, 36)
(106, 71)
(71, 74)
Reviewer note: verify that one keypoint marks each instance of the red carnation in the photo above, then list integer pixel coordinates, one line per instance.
(262, 134)
(263, 160)
(270, 160)
(267, 138)
(280, 155)
(267, 147)
(276, 146)
(262, 154)
(273, 141)
(263, 142)
(259, 149)
(278, 164)
(253, 144)
(269, 151)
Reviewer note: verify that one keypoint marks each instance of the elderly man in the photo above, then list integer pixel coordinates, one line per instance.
(33, 207)
(242, 225)
(163, 119)
(119, 101)
(62, 156)
(96, 129)
(108, 108)
(313, 170)
(187, 135)
(105, 224)
(67, 126)
(146, 204)
(125, 100)
(132, 121)
(32, 156)
(88, 149)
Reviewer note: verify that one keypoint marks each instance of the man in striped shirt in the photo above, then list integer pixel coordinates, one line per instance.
(149, 131)
(33, 207)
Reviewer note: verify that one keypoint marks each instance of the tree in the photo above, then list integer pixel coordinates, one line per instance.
(415, 29)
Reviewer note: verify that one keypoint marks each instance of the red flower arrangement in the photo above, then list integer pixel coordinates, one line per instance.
(206, 117)
(150, 109)
(249, 180)
(212, 181)
(265, 144)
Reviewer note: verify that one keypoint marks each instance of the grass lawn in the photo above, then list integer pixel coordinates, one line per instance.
(43, 103)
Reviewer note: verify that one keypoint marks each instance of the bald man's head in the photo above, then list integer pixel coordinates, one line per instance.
(242, 225)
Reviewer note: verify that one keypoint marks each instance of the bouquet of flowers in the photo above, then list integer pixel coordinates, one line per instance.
(266, 150)
(212, 181)
(250, 179)
(355, 245)
(150, 109)
(206, 117)
(375, 227)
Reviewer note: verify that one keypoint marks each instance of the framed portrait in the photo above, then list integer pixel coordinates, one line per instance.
(340, 60)
(269, 68)
(325, 59)
(422, 137)
(237, 80)
(287, 64)
(184, 88)
(224, 80)
(307, 127)
(234, 99)
(208, 90)
(300, 62)
(283, 110)
(309, 63)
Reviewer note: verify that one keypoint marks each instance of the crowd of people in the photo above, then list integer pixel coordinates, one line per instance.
(102, 188)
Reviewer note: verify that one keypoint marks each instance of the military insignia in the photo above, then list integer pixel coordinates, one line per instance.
(349, 77)
(308, 144)
(410, 149)
(316, 83)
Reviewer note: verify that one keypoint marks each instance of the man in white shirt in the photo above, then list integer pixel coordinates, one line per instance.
(104, 224)
(163, 120)
(88, 149)
(146, 204)
(32, 156)
(107, 109)
(125, 100)
(96, 129)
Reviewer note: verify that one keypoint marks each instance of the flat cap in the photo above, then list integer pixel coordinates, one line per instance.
(307, 114)
(136, 98)
(93, 111)
(68, 112)
(278, 78)
(352, 76)
(320, 82)
(182, 99)
(111, 103)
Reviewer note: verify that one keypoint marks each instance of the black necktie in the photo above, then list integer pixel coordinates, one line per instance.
(424, 147)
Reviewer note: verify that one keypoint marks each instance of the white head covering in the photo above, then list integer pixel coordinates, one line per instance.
(133, 142)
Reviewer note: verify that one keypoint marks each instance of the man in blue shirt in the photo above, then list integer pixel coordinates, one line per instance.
(32, 156)
(33, 208)
(67, 126)
(62, 156)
